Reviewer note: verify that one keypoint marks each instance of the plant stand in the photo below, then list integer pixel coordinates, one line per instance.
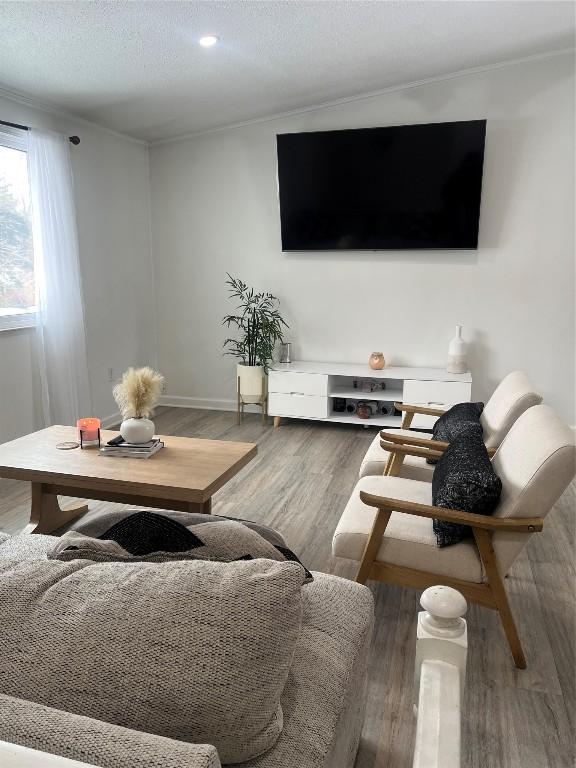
(262, 402)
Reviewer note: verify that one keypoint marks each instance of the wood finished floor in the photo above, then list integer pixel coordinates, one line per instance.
(299, 484)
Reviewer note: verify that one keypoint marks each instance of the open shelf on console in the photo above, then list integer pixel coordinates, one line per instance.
(375, 421)
(350, 393)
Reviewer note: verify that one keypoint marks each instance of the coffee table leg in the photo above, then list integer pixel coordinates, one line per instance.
(203, 507)
(46, 514)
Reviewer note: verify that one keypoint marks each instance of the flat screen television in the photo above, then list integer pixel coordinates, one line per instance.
(394, 188)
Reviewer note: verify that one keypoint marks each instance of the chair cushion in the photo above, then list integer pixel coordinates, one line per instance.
(413, 467)
(464, 479)
(536, 462)
(409, 540)
(193, 650)
(514, 395)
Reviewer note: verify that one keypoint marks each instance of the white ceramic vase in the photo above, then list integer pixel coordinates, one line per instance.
(457, 353)
(137, 430)
(252, 382)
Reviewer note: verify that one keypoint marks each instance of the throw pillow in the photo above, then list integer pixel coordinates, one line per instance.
(464, 479)
(192, 650)
(151, 537)
(454, 421)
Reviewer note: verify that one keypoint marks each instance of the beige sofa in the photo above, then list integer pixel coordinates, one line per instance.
(323, 701)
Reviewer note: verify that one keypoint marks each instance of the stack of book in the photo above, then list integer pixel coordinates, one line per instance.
(133, 450)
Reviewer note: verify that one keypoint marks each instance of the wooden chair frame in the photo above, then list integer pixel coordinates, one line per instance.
(490, 593)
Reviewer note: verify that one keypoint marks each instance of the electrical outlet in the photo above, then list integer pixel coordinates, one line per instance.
(110, 374)
(164, 388)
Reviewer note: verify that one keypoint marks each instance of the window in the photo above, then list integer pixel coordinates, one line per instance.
(17, 288)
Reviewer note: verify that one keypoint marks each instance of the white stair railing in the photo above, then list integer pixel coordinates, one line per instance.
(441, 648)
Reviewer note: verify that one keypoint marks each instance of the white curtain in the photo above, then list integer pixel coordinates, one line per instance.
(61, 332)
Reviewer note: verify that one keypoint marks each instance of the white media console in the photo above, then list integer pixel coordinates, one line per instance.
(303, 390)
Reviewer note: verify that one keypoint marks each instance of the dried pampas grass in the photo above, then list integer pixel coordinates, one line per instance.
(137, 393)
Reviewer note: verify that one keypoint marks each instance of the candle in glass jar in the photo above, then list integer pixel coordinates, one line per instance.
(89, 429)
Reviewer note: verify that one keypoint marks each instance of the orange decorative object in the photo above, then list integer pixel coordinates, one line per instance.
(376, 361)
(89, 429)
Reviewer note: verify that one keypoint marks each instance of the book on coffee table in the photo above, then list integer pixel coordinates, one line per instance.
(133, 450)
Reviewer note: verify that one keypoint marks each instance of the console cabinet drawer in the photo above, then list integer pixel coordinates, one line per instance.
(298, 406)
(289, 383)
(433, 393)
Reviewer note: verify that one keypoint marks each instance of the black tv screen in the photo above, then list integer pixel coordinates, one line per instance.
(400, 187)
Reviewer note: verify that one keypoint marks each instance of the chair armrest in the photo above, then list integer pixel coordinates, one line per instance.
(419, 442)
(419, 409)
(95, 742)
(520, 524)
(410, 450)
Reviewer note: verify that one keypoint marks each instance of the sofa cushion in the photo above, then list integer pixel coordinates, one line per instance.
(23, 546)
(413, 467)
(87, 740)
(408, 540)
(192, 650)
(464, 479)
(324, 698)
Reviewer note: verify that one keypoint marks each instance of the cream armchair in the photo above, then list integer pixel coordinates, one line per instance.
(510, 399)
(387, 523)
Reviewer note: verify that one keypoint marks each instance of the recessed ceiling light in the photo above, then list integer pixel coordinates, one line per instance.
(208, 41)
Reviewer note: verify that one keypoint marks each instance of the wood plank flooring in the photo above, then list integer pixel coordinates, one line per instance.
(299, 484)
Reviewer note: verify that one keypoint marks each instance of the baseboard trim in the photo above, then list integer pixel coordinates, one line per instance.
(202, 403)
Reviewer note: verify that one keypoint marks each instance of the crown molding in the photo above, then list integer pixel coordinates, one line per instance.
(363, 96)
(53, 109)
(57, 111)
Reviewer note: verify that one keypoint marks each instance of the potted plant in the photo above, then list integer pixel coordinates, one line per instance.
(260, 325)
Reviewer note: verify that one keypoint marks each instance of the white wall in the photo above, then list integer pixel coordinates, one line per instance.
(214, 209)
(111, 177)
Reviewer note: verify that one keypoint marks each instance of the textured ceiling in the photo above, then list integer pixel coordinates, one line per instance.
(136, 67)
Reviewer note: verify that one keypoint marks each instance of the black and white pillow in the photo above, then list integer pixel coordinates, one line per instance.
(464, 479)
(152, 537)
(455, 421)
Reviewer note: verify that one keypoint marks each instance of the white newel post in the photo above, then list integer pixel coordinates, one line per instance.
(440, 670)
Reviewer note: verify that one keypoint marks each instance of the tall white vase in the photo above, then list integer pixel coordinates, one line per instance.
(457, 353)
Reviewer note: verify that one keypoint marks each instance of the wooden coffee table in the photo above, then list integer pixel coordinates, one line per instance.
(182, 476)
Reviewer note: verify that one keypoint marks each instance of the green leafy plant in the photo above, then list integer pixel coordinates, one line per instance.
(259, 322)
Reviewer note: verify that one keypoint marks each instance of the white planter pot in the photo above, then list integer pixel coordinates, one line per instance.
(137, 430)
(457, 353)
(252, 382)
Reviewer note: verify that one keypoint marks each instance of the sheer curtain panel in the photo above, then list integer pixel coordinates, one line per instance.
(61, 332)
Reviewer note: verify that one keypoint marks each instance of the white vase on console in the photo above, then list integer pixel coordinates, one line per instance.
(457, 353)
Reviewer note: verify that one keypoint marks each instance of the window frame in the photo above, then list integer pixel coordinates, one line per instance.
(10, 320)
